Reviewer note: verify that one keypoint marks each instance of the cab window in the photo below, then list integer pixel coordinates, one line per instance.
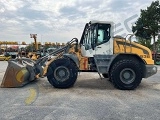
(89, 37)
(100, 36)
(103, 33)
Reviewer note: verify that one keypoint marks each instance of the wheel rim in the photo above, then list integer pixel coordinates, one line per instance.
(61, 73)
(127, 75)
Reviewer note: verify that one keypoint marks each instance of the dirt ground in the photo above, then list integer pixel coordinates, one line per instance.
(91, 98)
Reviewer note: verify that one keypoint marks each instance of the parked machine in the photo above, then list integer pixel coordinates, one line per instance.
(36, 54)
(5, 56)
(124, 62)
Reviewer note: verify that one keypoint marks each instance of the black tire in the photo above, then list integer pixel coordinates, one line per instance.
(62, 73)
(105, 75)
(126, 74)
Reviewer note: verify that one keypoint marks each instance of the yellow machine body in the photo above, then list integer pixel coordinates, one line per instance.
(120, 46)
(127, 47)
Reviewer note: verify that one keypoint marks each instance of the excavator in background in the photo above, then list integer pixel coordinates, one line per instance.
(124, 62)
(43, 51)
(34, 55)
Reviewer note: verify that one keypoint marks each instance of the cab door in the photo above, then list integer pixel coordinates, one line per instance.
(104, 43)
(88, 40)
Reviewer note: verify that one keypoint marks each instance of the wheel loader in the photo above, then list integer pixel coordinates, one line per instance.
(121, 60)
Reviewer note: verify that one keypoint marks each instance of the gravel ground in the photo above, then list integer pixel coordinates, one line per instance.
(90, 99)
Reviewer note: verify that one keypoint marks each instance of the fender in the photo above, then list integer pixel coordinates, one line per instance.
(73, 57)
(117, 57)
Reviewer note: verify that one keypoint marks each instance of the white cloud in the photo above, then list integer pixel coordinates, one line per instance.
(61, 20)
(12, 5)
(2, 10)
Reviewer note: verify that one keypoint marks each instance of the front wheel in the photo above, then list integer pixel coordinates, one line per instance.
(62, 73)
(126, 74)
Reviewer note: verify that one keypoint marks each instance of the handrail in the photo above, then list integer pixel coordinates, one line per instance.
(131, 35)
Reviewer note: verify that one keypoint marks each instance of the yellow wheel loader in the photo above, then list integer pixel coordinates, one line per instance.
(124, 62)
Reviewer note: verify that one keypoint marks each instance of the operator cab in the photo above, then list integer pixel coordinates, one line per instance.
(97, 38)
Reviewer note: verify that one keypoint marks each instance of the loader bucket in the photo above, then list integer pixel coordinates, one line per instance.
(17, 75)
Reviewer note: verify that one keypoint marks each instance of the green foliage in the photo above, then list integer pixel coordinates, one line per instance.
(141, 31)
(151, 18)
(158, 45)
(148, 24)
(144, 42)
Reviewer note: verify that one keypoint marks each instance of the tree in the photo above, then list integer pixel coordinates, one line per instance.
(145, 42)
(148, 24)
(158, 42)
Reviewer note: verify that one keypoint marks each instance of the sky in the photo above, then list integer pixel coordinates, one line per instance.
(62, 20)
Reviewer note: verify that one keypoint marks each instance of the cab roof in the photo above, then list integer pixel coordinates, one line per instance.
(103, 22)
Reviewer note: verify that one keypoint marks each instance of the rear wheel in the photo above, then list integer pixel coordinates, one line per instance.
(126, 74)
(62, 73)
